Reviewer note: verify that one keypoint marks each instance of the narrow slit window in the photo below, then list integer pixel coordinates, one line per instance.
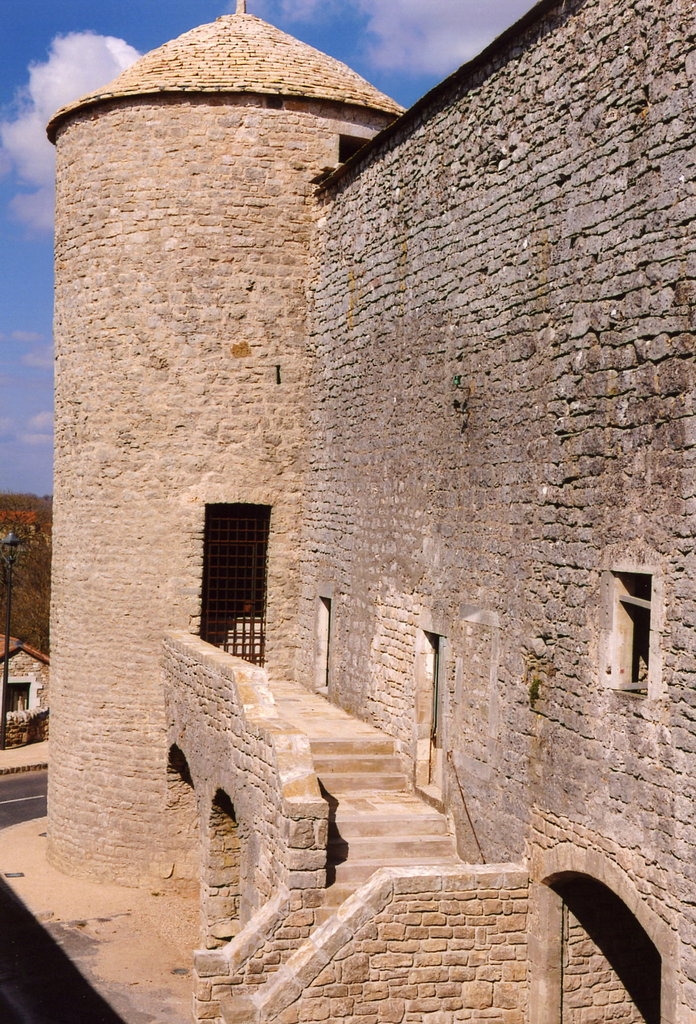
(323, 642)
(430, 705)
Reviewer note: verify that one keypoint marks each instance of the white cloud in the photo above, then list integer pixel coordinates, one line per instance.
(438, 36)
(42, 422)
(40, 358)
(412, 36)
(77, 63)
(28, 336)
(35, 440)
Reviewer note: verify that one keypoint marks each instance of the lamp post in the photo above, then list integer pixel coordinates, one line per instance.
(9, 545)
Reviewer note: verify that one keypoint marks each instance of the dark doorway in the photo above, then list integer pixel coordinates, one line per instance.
(610, 964)
(233, 613)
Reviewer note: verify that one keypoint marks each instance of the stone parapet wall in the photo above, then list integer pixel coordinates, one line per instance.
(409, 944)
(241, 747)
(26, 727)
(255, 955)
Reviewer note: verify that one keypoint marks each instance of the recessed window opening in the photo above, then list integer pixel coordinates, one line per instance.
(348, 146)
(182, 823)
(632, 621)
(222, 896)
(233, 612)
(323, 642)
(18, 696)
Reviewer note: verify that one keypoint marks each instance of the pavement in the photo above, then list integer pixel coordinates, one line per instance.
(79, 951)
(24, 759)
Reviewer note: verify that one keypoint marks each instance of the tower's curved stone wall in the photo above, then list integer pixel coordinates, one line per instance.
(181, 270)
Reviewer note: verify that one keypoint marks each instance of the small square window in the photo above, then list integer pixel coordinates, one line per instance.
(348, 146)
(633, 648)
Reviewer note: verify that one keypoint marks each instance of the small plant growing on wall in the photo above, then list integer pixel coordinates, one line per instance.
(538, 674)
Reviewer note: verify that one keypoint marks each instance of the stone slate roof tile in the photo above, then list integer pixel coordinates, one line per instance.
(237, 53)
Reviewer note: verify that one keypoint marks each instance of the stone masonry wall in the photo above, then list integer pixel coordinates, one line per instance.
(410, 945)
(503, 326)
(590, 985)
(182, 243)
(264, 768)
(26, 727)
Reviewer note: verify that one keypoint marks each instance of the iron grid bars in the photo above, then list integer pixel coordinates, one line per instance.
(233, 613)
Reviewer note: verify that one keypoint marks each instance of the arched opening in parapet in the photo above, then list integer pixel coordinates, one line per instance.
(182, 823)
(222, 894)
(611, 971)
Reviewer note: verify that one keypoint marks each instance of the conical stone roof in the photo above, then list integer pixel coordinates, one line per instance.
(237, 53)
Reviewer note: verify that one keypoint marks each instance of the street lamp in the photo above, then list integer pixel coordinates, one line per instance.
(9, 545)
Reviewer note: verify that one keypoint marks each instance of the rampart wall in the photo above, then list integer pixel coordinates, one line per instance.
(504, 424)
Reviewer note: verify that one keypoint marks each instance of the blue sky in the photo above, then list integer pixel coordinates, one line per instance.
(54, 50)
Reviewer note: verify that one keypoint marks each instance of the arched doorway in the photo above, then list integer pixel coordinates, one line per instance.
(182, 822)
(611, 969)
(222, 879)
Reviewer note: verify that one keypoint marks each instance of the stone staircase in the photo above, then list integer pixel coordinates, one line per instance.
(375, 819)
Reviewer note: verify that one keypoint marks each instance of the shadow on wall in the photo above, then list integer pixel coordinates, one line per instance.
(607, 954)
(38, 983)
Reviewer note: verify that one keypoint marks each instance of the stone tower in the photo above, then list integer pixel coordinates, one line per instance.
(184, 208)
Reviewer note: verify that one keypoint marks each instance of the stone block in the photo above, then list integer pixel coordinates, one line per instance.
(477, 995)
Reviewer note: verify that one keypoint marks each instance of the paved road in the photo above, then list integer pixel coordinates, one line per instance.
(22, 797)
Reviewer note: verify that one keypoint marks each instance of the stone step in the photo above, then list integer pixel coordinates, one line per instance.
(325, 764)
(352, 782)
(388, 849)
(351, 745)
(355, 872)
(350, 827)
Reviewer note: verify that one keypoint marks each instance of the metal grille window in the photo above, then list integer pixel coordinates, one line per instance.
(233, 613)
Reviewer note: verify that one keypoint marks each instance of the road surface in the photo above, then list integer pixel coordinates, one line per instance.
(22, 797)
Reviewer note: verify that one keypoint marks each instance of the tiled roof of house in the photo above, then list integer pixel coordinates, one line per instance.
(17, 645)
(237, 53)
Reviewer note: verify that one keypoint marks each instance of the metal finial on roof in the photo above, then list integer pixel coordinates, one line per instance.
(241, 6)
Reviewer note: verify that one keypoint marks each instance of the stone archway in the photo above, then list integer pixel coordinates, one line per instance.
(611, 970)
(182, 822)
(597, 952)
(222, 878)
